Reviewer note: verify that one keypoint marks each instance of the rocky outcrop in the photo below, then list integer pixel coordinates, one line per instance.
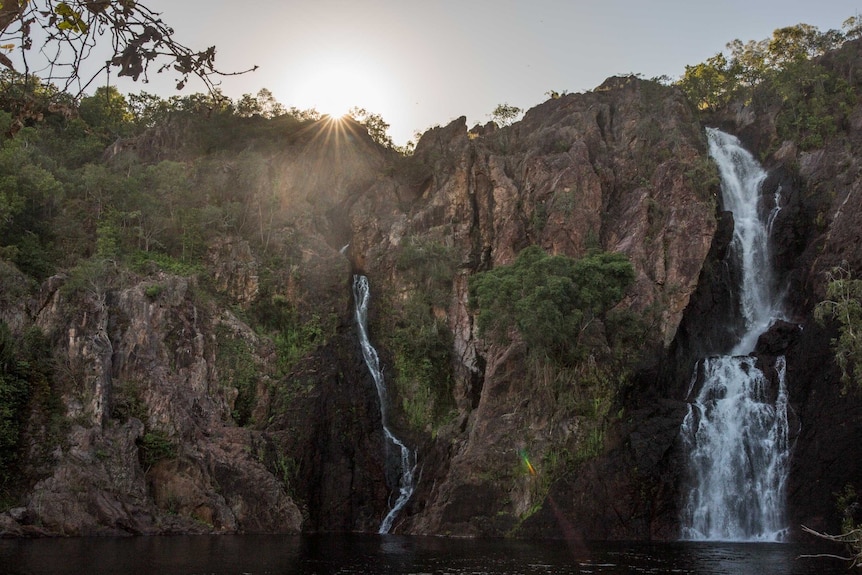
(149, 447)
(621, 169)
(597, 170)
(177, 416)
(235, 270)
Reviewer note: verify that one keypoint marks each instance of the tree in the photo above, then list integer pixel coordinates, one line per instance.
(148, 109)
(844, 303)
(709, 83)
(29, 195)
(248, 106)
(66, 32)
(264, 105)
(852, 27)
(269, 106)
(26, 394)
(552, 301)
(374, 123)
(28, 99)
(107, 111)
(505, 115)
(799, 43)
(749, 64)
(14, 394)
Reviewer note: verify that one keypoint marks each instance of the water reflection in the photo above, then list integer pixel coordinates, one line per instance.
(389, 554)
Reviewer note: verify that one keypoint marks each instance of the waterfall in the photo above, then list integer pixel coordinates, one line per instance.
(736, 429)
(738, 454)
(741, 177)
(406, 458)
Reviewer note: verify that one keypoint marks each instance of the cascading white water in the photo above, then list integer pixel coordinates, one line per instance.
(738, 454)
(407, 459)
(741, 177)
(736, 430)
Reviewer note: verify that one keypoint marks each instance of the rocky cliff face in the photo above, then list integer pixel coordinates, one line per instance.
(166, 393)
(176, 416)
(621, 169)
(145, 445)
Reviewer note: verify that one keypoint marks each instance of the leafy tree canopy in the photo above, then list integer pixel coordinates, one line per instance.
(107, 110)
(263, 104)
(550, 300)
(374, 123)
(713, 83)
(25, 369)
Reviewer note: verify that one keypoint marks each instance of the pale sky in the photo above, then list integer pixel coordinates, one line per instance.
(420, 64)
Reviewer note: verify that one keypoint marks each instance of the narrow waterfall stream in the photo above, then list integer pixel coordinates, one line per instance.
(405, 457)
(736, 430)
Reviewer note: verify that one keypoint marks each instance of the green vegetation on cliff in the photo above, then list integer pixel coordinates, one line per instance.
(418, 337)
(813, 99)
(25, 382)
(843, 303)
(117, 189)
(554, 302)
(581, 345)
(14, 393)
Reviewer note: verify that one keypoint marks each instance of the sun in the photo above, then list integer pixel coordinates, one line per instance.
(333, 85)
(331, 91)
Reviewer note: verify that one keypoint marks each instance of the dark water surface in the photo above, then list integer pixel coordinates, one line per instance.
(393, 554)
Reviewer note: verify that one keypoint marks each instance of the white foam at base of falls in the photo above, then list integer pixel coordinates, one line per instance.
(738, 453)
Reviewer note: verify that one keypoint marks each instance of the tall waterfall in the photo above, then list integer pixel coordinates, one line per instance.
(736, 430)
(406, 458)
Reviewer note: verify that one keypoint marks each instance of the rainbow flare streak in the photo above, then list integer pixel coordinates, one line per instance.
(529, 465)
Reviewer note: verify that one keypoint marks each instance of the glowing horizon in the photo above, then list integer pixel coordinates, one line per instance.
(421, 65)
(334, 83)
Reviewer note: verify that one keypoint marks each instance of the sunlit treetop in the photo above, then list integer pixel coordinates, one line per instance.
(51, 39)
(715, 82)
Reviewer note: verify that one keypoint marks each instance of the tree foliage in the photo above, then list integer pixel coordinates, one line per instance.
(263, 104)
(713, 83)
(14, 393)
(374, 123)
(785, 70)
(505, 114)
(158, 202)
(709, 83)
(29, 194)
(552, 301)
(108, 112)
(25, 372)
(421, 346)
(66, 32)
(420, 341)
(844, 303)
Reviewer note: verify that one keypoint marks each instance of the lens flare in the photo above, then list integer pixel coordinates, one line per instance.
(527, 463)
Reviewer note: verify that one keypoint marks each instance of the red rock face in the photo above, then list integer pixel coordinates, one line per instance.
(621, 169)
